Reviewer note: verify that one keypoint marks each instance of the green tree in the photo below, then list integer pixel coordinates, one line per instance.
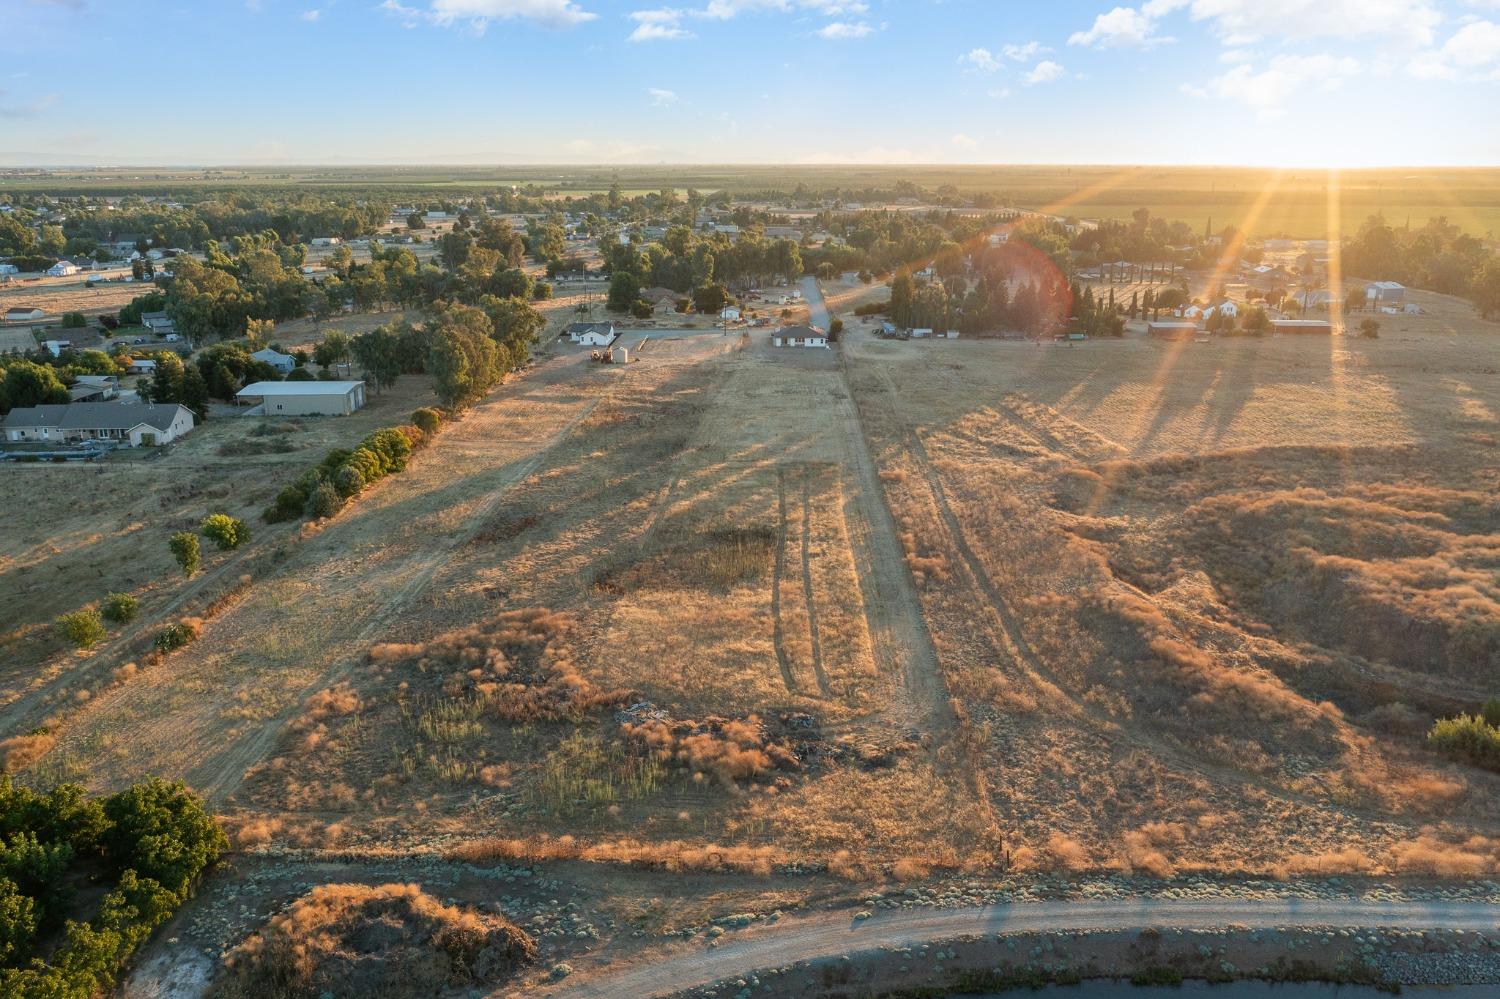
(184, 545)
(25, 383)
(120, 608)
(161, 831)
(82, 627)
(624, 289)
(333, 349)
(464, 359)
(1486, 287)
(379, 354)
(710, 299)
(416, 221)
(18, 923)
(224, 531)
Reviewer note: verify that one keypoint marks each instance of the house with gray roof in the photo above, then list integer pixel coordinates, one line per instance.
(129, 425)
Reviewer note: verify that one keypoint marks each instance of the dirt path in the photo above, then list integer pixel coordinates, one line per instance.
(838, 934)
(778, 572)
(898, 632)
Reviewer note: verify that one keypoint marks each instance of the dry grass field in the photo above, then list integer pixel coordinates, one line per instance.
(881, 612)
(1207, 598)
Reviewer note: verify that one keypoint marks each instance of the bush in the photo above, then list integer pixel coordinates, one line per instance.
(120, 607)
(301, 375)
(324, 501)
(427, 420)
(174, 636)
(1467, 737)
(18, 919)
(160, 830)
(640, 309)
(82, 627)
(873, 309)
(225, 531)
(1490, 712)
(348, 481)
(289, 504)
(184, 545)
(74, 321)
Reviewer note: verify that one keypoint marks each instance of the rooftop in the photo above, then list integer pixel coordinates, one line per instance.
(264, 389)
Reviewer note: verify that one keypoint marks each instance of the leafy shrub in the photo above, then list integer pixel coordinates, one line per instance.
(184, 545)
(18, 919)
(120, 607)
(1467, 737)
(301, 375)
(324, 501)
(82, 627)
(427, 420)
(174, 636)
(225, 531)
(348, 481)
(160, 830)
(1490, 712)
(288, 505)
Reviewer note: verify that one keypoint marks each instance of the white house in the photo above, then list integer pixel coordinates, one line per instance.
(1224, 308)
(21, 314)
(283, 363)
(592, 334)
(56, 347)
(1385, 293)
(799, 336)
(303, 398)
(326, 241)
(62, 268)
(9, 269)
(133, 425)
(730, 313)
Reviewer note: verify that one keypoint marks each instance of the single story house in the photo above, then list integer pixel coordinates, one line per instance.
(799, 336)
(326, 241)
(304, 398)
(1172, 329)
(134, 425)
(1223, 308)
(1302, 326)
(283, 363)
(83, 391)
(141, 366)
(730, 313)
(1385, 292)
(592, 334)
(22, 313)
(157, 322)
(63, 268)
(9, 269)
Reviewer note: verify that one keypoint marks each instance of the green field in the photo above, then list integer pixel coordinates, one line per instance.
(1266, 202)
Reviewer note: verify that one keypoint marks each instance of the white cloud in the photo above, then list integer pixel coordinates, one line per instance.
(999, 93)
(553, 13)
(311, 15)
(963, 141)
(1286, 76)
(662, 24)
(1022, 53)
(661, 98)
(1043, 72)
(1473, 50)
(982, 59)
(845, 29)
(1122, 27)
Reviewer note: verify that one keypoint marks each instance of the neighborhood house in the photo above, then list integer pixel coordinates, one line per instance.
(283, 363)
(799, 336)
(134, 425)
(592, 334)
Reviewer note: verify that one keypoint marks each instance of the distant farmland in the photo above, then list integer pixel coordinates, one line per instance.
(1263, 201)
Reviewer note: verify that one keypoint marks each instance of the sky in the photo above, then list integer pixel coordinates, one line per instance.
(1342, 83)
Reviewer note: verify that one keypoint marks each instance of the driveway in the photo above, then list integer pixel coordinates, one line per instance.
(817, 309)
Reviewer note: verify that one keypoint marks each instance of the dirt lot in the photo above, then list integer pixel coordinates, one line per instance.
(1207, 598)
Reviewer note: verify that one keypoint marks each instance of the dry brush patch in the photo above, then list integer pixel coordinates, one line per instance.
(391, 940)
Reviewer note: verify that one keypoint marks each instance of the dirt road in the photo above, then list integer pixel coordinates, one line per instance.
(838, 934)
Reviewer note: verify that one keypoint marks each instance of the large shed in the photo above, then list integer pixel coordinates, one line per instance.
(1172, 329)
(1322, 326)
(304, 398)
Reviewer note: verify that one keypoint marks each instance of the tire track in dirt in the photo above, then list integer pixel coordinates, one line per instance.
(219, 778)
(778, 636)
(893, 614)
(807, 583)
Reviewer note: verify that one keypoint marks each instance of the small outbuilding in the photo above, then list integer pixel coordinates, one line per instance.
(1172, 329)
(1385, 293)
(303, 398)
(730, 313)
(1321, 326)
(23, 313)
